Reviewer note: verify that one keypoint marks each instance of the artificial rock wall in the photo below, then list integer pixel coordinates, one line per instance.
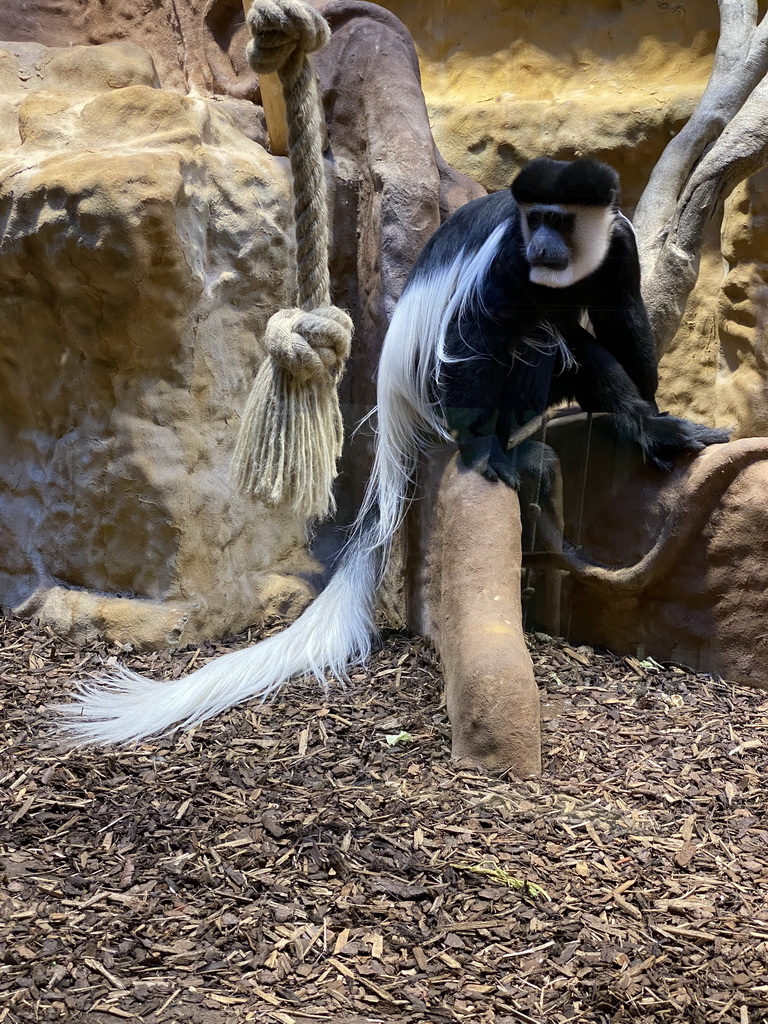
(145, 243)
(147, 238)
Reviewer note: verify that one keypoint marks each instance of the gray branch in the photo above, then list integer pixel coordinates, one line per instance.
(723, 142)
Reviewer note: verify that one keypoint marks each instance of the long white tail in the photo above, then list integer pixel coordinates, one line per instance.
(336, 629)
(124, 707)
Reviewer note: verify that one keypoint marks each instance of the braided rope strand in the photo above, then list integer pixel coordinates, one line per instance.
(291, 432)
(304, 147)
(284, 33)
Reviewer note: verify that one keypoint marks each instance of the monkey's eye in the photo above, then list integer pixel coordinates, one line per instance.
(555, 220)
(562, 222)
(535, 219)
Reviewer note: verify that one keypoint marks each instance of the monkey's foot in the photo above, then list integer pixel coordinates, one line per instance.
(529, 458)
(536, 460)
(486, 456)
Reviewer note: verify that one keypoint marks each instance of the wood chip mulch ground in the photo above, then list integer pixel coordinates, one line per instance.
(324, 860)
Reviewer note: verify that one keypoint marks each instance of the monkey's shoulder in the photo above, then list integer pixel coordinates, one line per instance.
(467, 229)
(621, 266)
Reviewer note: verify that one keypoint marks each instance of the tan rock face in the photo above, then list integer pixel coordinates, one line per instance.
(147, 238)
(716, 369)
(145, 244)
(742, 309)
(505, 82)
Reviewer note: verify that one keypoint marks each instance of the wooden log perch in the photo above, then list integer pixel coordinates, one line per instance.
(464, 591)
(491, 693)
(273, 101)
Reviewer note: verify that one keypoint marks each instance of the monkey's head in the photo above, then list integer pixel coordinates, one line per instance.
(567, 210)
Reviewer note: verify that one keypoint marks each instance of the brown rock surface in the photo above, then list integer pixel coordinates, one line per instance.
(392, 190)
(695, 544)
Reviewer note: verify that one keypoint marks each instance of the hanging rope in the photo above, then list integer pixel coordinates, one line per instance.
(291, 433)
(534, 508)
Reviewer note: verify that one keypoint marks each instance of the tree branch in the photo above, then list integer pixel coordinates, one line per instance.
(725, 140)
(741, 60)
(741, 150)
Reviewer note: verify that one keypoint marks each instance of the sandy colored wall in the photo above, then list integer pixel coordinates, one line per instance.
(147, 238)
(506, 81)
(136, 272)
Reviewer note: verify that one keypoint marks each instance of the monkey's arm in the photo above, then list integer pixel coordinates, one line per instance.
(486, 397)
(599, 383)
(619, 318)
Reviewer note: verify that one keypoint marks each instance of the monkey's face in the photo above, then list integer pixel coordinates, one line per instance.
(564, 243)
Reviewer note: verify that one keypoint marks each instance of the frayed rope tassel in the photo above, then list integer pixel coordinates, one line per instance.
(291, 433)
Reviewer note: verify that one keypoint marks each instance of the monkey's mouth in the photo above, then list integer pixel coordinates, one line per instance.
(550, 263)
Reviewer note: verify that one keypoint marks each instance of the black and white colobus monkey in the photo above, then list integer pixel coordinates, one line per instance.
(552, 253)
(489, 330)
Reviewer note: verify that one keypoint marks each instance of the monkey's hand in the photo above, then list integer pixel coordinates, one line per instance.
(664, 438)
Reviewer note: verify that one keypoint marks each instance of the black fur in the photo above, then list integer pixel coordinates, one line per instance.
(502, 366)
(572, 182)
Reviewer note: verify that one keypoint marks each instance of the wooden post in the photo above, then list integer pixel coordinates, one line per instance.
(274, 107)
(463, 589)
(491, 693)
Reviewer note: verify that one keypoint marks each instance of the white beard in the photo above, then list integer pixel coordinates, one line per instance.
(592, 238)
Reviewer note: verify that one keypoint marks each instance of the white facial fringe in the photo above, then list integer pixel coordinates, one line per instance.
(592, 238)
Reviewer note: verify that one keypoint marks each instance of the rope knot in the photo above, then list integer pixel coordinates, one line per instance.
(291, 433)
(310, 345)
(280, 29)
